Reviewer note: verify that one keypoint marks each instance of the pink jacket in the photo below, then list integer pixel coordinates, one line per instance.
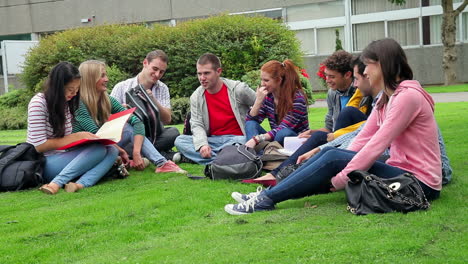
(409, 128)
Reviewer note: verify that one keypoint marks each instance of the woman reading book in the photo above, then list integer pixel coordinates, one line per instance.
(96, 106)
(50, 117)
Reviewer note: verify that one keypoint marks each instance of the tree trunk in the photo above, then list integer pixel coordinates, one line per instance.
(449, 33)
(449, 30)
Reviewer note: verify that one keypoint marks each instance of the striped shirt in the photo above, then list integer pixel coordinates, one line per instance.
(84, 121)
(159, 90)
(296, 119)
(39, 128)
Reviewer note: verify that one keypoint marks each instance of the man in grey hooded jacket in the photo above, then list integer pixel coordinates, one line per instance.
(218, 110)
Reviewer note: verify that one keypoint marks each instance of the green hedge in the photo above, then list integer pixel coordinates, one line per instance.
(14, 109)
(242, 43)
(14, 112)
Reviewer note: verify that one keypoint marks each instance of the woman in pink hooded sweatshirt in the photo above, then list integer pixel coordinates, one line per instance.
(403, 120)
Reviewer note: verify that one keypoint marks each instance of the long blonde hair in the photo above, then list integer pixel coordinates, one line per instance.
(98, 104)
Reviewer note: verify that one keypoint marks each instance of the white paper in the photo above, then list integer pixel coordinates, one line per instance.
(291, 144)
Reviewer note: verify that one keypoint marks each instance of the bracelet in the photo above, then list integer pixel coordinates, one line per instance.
(255, 139)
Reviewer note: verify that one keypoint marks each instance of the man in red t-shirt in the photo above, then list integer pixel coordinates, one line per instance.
(218, 110)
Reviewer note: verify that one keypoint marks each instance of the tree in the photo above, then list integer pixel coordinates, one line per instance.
(338, 45)
(449, 30)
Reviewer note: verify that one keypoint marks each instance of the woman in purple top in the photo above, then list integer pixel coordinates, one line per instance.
(280, 98)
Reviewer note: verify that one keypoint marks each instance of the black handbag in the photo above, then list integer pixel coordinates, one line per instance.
(368, 194)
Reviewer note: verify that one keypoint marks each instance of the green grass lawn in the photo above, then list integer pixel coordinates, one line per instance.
(167, 218)
(447, 89)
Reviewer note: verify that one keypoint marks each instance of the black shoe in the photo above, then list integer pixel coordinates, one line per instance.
(171, 155)
(182, 159)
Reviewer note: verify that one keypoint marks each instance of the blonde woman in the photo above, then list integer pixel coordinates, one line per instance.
(95, 108)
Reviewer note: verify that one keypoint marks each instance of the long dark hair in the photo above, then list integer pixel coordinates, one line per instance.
(54, 93)
(393, 61)
(290, 83)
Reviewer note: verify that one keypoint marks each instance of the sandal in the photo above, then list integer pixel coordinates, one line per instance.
(47, 189)
(72, 187)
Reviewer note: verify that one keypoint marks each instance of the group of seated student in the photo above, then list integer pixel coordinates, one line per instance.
(350, 100)
(214, 125)
(402, 121)
(54, 122)
(376, 86)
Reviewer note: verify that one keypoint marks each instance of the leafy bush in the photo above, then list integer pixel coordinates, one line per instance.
(14, 109)
(14, 117)
(115, 76)
(180, 108)
(252, 78)
(15, 98)
(242, 43)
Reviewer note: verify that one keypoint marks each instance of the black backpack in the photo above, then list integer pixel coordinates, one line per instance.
(20, 167)
(235, 162)
(146, 111)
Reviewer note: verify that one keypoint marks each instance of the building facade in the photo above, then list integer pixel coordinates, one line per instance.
(415, 25)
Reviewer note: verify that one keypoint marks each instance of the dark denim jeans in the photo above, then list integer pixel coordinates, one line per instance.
(315, 175)
(253, 128)
(349, 116)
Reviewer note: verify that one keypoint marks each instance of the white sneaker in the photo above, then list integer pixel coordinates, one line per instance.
(177, 157)
(240, 198)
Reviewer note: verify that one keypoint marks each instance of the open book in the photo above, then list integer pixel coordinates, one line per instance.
(291, 144)
(109, 133)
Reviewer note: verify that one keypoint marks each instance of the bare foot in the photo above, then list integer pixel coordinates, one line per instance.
(267, 176)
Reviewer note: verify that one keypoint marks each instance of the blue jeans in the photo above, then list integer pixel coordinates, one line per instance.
(316, 139)
(315, 175)
(349, 116)
(184, 144)
(147, 149)
(253, 128)
(89, 163)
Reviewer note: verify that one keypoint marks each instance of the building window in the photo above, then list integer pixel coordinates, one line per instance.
(363, 34)
(406, 32)
(11, 37)
(307, 39)
(316, 11)
(16, 37)
(326, 38)
(465, 26)
(432, 32)
(275, 14)
(359, 7)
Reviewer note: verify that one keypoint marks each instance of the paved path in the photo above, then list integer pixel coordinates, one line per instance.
(438, 98)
